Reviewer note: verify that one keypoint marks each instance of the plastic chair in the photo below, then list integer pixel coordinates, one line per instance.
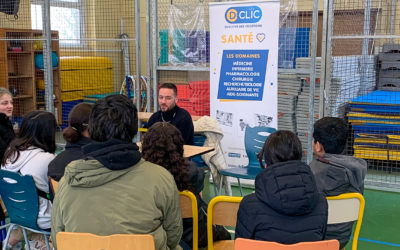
(346, 208)
(189, 209)
(254, 141)
(222, 210)
(245, 244)
(198, 140)
(88, 241)
(22, 203)
(53, 185)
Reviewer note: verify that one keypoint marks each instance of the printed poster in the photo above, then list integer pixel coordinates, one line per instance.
(243, 71)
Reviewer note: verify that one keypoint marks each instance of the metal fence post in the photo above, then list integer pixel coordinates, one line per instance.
(312, 80)
(48, 65)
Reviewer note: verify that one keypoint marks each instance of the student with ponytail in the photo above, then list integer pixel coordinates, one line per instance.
(76, 135)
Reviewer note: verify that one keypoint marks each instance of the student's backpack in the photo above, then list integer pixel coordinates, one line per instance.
(10, 7)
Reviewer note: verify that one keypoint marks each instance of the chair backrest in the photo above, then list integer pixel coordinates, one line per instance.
(254, 138)
(198, 140)
(346, 208)
(53, 185)
(189, 209)
(88, 241)
(222, 210)
(245, 244)
(20, 198)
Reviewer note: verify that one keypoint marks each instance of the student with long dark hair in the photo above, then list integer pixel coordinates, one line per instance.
(163, 145)
(30, 154)
(286, 206)
(6, 129)
(76, 135)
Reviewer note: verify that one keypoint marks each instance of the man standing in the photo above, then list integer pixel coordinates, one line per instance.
(112, 190)
(170, 112)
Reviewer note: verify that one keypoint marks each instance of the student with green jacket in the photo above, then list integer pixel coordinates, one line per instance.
(112, 190)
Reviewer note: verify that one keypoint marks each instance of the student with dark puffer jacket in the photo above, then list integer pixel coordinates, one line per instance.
(286, 206)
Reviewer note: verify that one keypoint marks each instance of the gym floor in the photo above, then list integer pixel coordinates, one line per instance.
(381, 224)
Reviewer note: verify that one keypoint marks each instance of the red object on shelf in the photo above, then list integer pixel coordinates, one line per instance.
(16, 49)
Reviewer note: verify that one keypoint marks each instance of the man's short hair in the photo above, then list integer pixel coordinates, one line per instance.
(331, 132)
(113, 117)
(281, 146)
(168, 85)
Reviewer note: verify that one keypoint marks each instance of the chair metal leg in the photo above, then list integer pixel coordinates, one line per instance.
(214, 184)
(10, 228)
(220, 184)
(26, 239)
(47, 242)
(240, 187)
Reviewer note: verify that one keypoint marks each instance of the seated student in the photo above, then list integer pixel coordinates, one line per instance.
(286, 206)
(30, 154)
(76, 135)
(170, 112)
(6, 129)
(112, 190)
(163, 145)
(336, 173)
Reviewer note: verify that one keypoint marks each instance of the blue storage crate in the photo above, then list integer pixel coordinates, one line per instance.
(164, 47)
(293, 43)
(66, 108)
(17, 119)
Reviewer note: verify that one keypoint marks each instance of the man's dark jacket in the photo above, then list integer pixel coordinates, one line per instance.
(286, 206)
(178, 117)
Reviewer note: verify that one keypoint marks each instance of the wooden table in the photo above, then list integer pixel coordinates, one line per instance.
(189, 150)
(146, 116)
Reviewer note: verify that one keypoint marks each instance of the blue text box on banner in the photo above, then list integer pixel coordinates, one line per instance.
(242, 75)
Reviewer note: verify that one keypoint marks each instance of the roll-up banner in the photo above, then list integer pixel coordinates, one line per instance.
(243, 71)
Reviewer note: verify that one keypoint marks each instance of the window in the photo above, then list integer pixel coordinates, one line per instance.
(67, 17)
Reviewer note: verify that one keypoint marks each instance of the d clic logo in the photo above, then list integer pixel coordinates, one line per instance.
(246, 14)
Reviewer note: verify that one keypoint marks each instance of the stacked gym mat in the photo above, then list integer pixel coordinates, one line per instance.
(303, 103)
(289, 87)
(376, 123)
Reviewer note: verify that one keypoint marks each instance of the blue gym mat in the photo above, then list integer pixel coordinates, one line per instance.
(378, 97)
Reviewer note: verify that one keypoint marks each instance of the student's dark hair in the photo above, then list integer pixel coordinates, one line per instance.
(331, 132)
(280, 146)
(78, 122)
(163, 145)
(113, 117)
(168, 85)
(38, 129)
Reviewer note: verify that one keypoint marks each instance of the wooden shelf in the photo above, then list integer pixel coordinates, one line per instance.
(19, 52)
(44, 103)
(22, 97)
(20, 76)
(41, 51)
(42, 71)
(22, 67)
